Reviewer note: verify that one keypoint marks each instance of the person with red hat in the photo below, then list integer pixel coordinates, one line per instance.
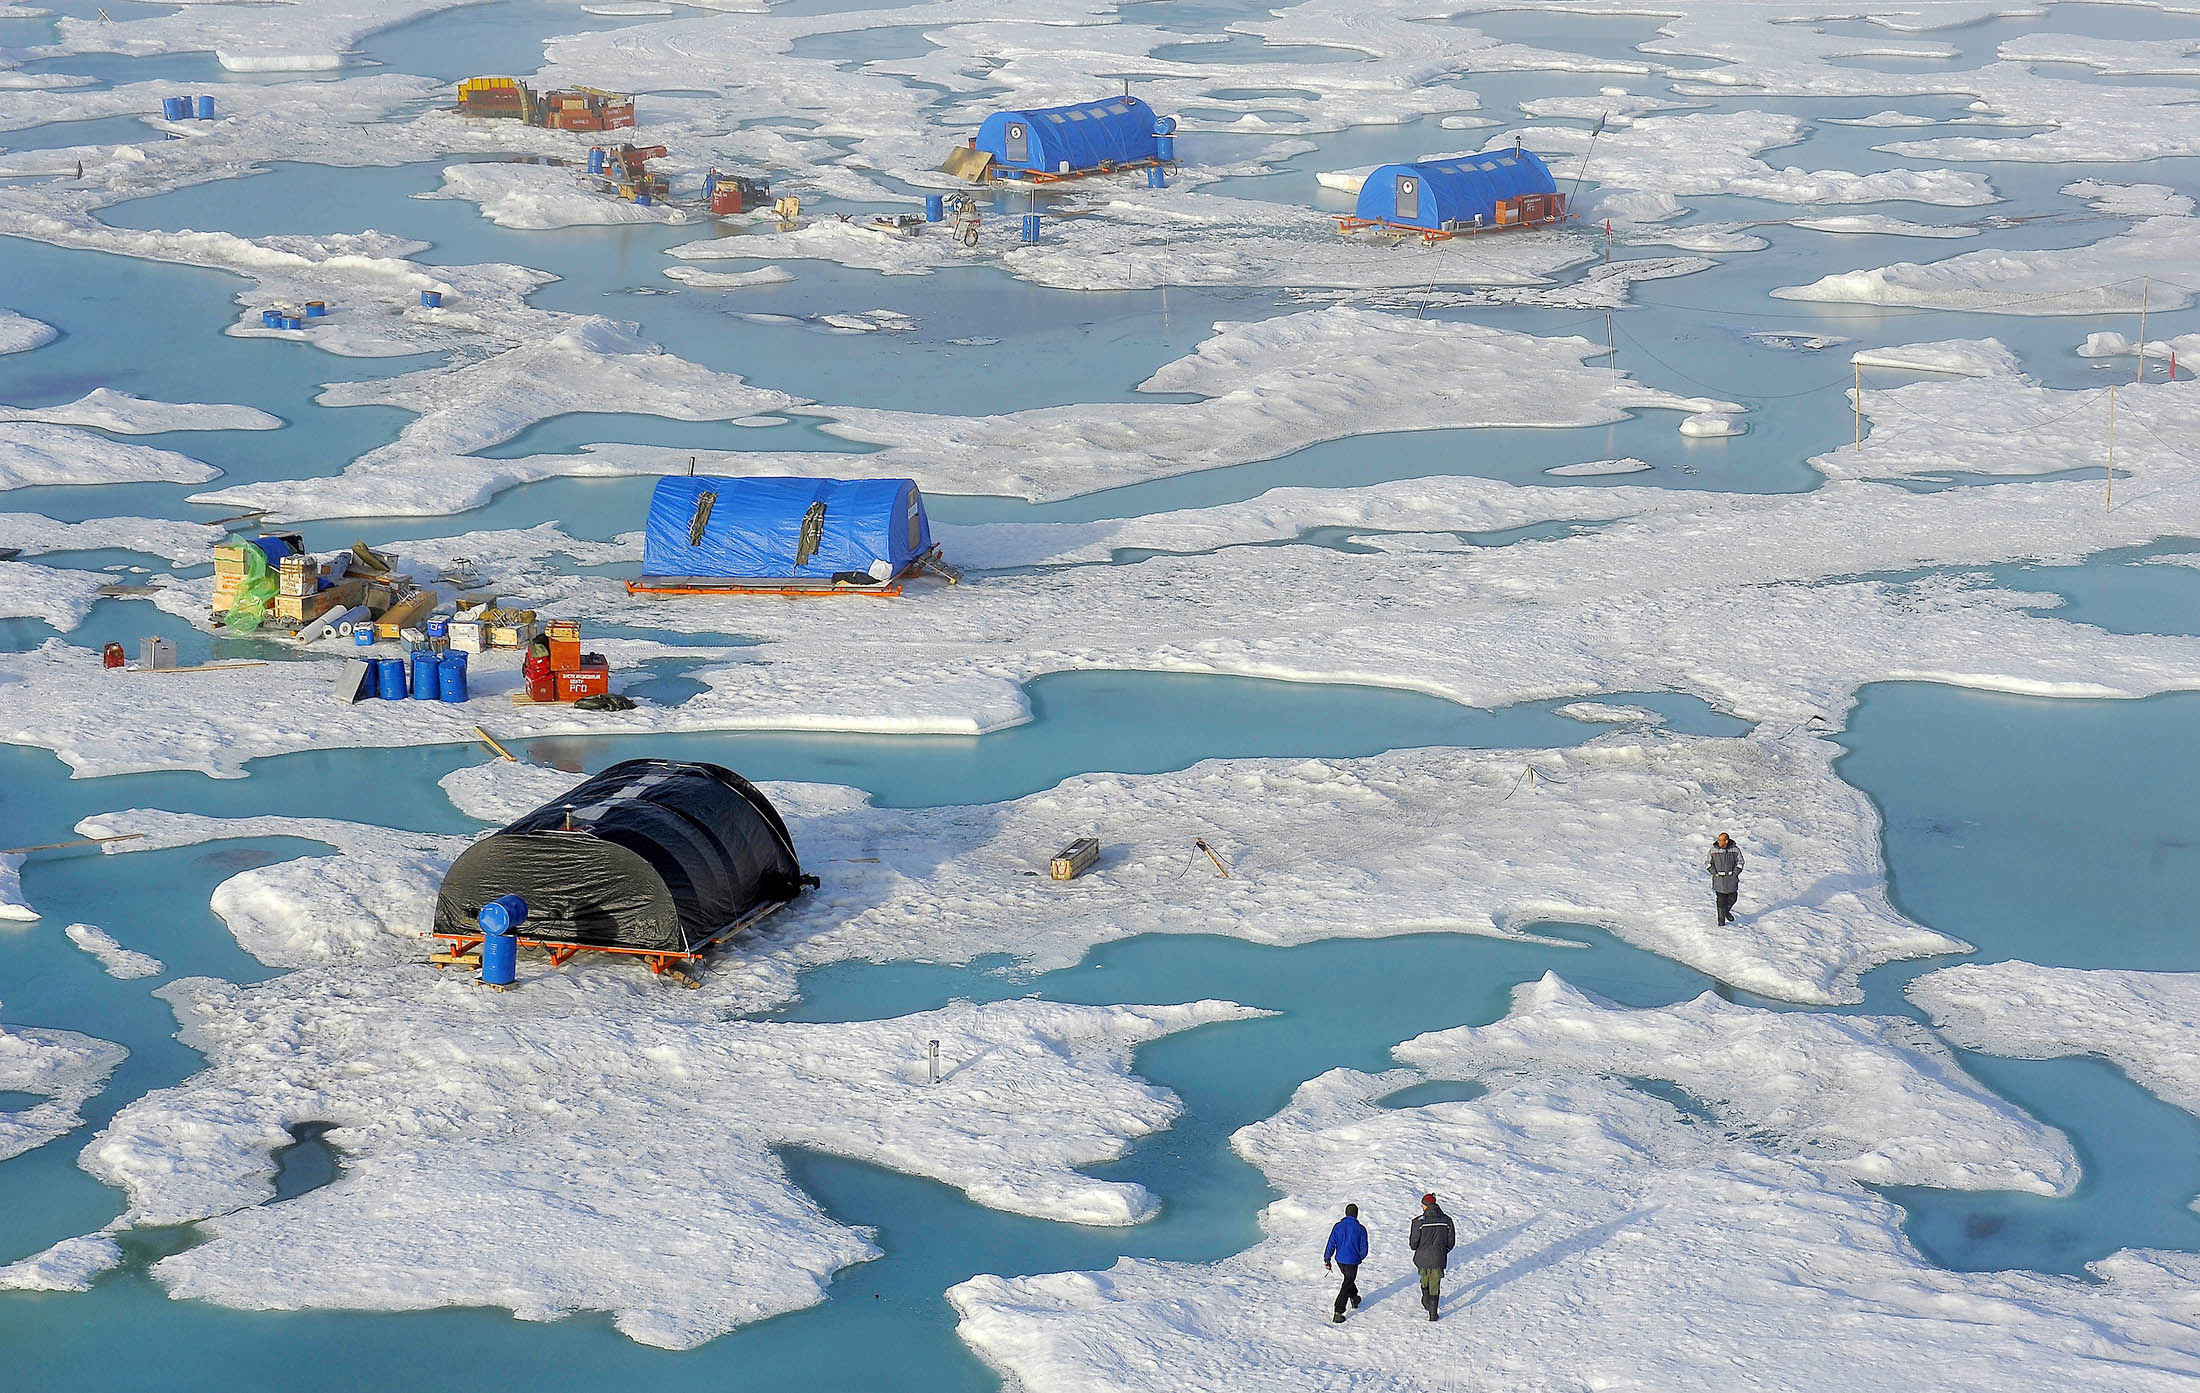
(1432, 1240)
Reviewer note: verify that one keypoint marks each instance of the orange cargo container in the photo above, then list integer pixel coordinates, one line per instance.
(587, 682)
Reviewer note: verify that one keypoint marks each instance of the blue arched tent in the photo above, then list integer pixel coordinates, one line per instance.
(1452, 193)
(760, 533)
(1074, 139)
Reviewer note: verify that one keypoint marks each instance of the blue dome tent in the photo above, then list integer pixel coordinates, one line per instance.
(783, 536)
(1067, 141)
(1497, 188)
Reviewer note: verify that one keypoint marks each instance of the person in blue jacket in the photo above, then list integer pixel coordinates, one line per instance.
(1347, 1249)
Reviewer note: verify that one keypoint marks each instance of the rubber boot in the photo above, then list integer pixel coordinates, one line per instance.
(1336, 1317)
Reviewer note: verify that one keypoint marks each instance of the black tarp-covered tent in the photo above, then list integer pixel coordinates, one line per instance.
(651, 855)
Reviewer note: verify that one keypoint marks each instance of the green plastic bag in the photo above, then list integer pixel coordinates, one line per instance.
(249, 610)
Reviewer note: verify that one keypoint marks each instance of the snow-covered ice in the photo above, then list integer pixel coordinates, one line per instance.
(1603, 1233)
(1876, 1098)
(62, 1067)
(20, 333)
(638, 1173)
(114, 959)
(41, 454)
(2147, 1023)
(105, 409)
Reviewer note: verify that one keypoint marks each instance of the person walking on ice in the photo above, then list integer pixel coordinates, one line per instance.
(1725, 865)
(1348, 1248)
(1431, 1238)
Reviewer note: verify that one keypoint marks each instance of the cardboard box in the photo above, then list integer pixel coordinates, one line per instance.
(589, 681)
(303, 607)
(392, 622)
(512, 635)
(297, 575)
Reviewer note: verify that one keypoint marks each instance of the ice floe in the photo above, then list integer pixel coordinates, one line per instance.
(1956, 357)
(1875, 1098)
(12, 904)
(1602, 1233)
(114, 959)
(60, 1066)
(2136, 267)
(55, 595)
(105, 409)
(539, 197)
(1716, 153)
(637, 1173)
(19, 333)
(2146, 1023)
(182, 543)
(32, 455)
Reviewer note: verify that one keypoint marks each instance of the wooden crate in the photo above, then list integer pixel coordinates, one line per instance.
(1075, 859)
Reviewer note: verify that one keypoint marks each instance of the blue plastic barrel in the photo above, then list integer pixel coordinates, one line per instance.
(595, 160)
(206, 108)
(433, 299)
(1031, 227)
(1156, 177)
(389, 678)
(1164, 125)
(503, 915)
(171, 108)
(424, 680)
(1164, 147)
(271, 319)
(316, 309)
(935, 207)
(291, 321)
(451, 677)
(499, 956)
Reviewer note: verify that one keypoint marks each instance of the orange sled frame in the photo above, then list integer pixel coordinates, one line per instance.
(661, 960)
(1430, 236)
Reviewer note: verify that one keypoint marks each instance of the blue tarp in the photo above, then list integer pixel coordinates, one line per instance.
(1435, 193)
(751, 529)
(1082, 137)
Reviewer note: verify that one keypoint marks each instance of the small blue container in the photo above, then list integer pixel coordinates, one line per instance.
(389, 678)
(1164, 125)
(291, 321)
(1164, 147)
(363, 636)
(935, 207)
(1156, 177)
(206, 108)
(433, 299)
(271, 319)
(424, 680)
(316, 309)
(451, 678)
(1031, 227)
(503, 915)
(642, 199)
(595, 160)
(499, 959)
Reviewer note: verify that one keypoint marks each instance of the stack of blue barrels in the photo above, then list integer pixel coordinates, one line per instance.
(183, 108)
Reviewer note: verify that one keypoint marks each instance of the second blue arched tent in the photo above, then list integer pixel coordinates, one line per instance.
(1500, 188)
(1082, 138)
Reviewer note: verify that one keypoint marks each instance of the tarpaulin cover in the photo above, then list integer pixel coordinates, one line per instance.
(1453, 190)
(651, 854)
(751, 529)
(1084, 136)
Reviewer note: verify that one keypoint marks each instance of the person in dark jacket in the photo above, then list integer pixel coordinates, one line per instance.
(1431, 1238)
(1348, 1247)
(1725, 865)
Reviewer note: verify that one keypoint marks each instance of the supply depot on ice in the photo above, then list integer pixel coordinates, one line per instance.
(652, 858)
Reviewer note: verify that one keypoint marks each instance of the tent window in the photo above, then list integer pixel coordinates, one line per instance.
(813, 533)
(1077, 116)
(1057, 118)
(696, 524)
(1121, 108)
(915, 517)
